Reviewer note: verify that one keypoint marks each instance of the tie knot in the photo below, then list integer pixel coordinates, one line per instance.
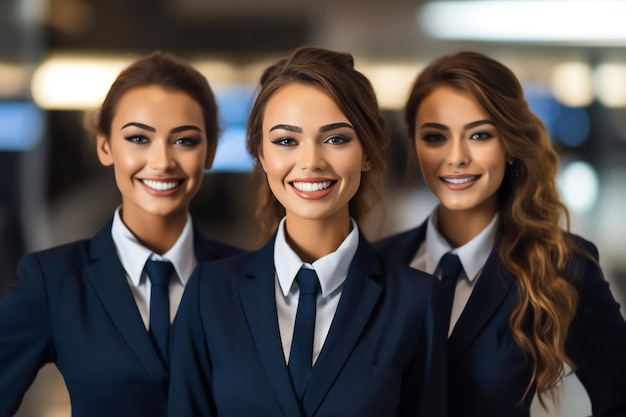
(159, 272)
(307, 281)
(450, 267)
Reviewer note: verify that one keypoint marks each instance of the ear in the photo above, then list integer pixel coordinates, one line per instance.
(366, 164)
(261, 158)
(103, 146)
(210, 157)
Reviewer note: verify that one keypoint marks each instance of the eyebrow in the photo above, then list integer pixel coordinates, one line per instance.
(151, 129)
(290, 128)
(324, 128)
(465, 127)
(334, 126)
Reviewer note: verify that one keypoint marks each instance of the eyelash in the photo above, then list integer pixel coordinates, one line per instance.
(284, 141)
(481, 136)
(187, 141)
(141, 139)
(437, 137)
(337, 140)
(333, 140)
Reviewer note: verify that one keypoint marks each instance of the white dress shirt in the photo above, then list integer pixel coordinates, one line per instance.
(133, 256)
(331, 270)
(473, 256)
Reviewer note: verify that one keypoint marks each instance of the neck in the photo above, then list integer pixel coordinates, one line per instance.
(314, 239)
(157, 233)
(459, 227)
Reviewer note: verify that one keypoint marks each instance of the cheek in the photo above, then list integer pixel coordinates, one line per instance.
(496, 165)
(276, 166)
(427, 163)
(124, 162)
(194, 163)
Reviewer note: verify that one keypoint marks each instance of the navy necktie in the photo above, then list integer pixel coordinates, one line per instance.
(450, 269)
(301, 354)
(159, 273)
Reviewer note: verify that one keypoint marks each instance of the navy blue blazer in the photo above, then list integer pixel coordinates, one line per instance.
(72, 305)
(384, 354)
(488, 371)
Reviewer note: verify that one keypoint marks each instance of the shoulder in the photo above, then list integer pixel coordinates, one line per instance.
(584, 245)
(404, 272)
(583, 261)
(226, 270)
(69, 253)
(407, 281)
(396, 239)
(208, 250)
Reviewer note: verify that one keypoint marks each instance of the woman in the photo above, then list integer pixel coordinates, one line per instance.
(89, 306)
(252, 339)
(530, 296)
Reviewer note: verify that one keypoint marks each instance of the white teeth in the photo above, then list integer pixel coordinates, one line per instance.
(460, 180)
(160, 185)
(311, 186)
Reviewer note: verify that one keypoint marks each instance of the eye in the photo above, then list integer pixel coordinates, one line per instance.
(481, 136)
(285, 142)
(433, 137)
(139, 139)
(337, 140)
(187, 141)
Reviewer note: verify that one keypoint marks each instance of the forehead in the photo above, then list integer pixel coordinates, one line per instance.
(298, 103)
(154, 103)
(450, 103)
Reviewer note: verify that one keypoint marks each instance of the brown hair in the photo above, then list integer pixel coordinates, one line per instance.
(169, 72)
(334, 73)
(533, 246)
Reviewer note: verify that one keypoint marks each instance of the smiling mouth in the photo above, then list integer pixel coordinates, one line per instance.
(460, 180)
(309, 187)
(161, 185)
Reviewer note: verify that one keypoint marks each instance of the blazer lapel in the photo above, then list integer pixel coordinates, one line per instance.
(490, 291)
(108, 278)
(360, 294)
(258, 299)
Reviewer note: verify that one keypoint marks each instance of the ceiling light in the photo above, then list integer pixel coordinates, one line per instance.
(67, 82)
(593, 22)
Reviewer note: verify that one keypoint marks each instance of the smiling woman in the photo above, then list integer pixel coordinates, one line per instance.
(529, 296)
(314, 163)
(90, 306)
(314, 322)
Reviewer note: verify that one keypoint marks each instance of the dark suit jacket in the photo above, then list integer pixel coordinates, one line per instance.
(72, 305)
(487, 370)
(383, 355)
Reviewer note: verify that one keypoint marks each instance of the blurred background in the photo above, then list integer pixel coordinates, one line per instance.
(59, 57)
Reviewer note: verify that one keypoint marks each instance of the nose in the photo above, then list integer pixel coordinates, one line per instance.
(311, 156)
(458, 154)
(160, 155)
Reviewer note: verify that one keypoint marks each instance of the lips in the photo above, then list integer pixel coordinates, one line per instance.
(460, 180)
(166, 185)
(311, 189)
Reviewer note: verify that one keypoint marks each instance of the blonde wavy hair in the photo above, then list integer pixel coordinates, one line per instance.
(534, 246)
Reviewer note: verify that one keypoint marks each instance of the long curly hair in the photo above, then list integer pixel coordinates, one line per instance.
(535, 244)
(334, 73)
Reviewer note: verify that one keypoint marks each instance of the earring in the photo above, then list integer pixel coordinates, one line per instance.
(514, 169)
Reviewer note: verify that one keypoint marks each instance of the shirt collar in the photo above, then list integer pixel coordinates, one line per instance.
(473, 254)
(331, 269)
(133, 255)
